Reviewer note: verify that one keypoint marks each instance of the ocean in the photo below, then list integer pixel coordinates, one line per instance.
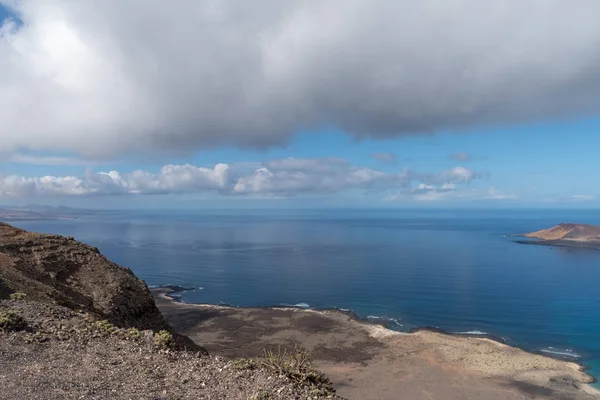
(458, 270)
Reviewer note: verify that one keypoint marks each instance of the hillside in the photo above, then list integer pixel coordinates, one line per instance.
(74, 325)
(568, 232)
(60, 270)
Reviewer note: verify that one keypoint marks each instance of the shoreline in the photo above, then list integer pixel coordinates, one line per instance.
(570, 244)
(174, 289)
(381, 332)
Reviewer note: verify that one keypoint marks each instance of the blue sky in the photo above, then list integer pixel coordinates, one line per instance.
(97, 115)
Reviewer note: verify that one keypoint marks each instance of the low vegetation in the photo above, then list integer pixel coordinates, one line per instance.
(106, 327)
(37, 337)
(134, 334)
(12, 321)
(244, 364)
(18, 296)
(296, 365)
(164, 340)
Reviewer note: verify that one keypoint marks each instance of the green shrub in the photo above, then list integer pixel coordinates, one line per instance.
(244, 364)
(18, 296)
(297, 367)
(106, 327)
(134, 333)
(12, 321)
(164, 340)
(36, 338)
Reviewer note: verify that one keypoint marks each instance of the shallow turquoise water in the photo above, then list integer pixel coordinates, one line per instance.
(452, 269)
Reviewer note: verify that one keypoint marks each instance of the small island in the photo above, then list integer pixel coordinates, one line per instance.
(566, 235)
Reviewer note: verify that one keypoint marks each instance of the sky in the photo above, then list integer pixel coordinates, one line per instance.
(223, 103)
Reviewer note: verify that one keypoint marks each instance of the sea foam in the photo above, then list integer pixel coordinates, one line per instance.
(386, 319)
(473, 332)
(561, 353)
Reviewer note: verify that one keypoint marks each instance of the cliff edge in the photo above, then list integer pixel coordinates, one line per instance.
(62, 271)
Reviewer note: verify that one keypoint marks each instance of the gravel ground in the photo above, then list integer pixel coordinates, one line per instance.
(63, 354)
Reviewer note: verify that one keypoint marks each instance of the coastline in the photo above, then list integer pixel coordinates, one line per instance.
(371, 323)
(469, 354)
(571, 244)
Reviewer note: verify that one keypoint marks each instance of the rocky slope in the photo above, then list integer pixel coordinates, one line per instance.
(57, 353)
(74, 325)
(60, 270)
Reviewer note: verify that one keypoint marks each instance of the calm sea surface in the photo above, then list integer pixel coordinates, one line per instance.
(452, 269)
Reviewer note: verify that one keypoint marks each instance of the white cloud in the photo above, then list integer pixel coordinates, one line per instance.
(292, 176)
(424, 192)
(103, 78)
(456, 175)
(386, 158)
(283, 177)
(170, 179)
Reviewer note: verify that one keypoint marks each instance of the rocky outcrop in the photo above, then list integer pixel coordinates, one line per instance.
(60, 270)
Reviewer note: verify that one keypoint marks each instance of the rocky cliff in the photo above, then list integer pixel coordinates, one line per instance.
(60, 270)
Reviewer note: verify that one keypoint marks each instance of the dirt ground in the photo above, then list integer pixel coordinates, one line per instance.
(367, 361)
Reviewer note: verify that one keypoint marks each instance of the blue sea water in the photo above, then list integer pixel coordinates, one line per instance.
(454, 269)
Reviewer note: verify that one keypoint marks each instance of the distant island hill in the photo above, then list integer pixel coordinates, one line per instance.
(566, 235)
(37, 213)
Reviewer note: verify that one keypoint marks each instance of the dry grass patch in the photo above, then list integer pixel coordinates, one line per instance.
(297, 366)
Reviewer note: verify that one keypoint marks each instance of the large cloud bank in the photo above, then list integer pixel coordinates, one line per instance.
(106, 78)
